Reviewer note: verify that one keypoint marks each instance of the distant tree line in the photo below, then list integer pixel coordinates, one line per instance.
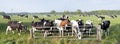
(77, 12)
(97, 12)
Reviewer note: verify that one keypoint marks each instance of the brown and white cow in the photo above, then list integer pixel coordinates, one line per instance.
(60, 24)
(15, 25)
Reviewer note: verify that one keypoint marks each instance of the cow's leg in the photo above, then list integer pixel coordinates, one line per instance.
(105, 33)
(13, 31)
(45, 34)
(34, 29)
(75, 32)
(25, 28)
(89, 31)
(8, 29)
(62, 31)
(19, 31)
(50, 28)
(79, 34)
(108, 31)
(72, 31)
(59, 31)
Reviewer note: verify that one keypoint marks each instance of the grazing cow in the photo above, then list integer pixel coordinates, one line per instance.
(64, 17)
(35, 17)
(88, 26)
(26, 16)
(113, 16)
(7, 17)
(43, 24)
(13, 25)
(101, 17)
(49, 15)
(61, 24)
(21, 15)
(105, 25)
(75, 28)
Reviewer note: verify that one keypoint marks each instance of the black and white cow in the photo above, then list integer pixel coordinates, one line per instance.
(21, 15)
(80, 23)
(7, 17)
(43, 24)
(35, 17)
(101, 17)
(26, 16)
(15, 25)
(88, 26)
(105, 25)
(113, 16)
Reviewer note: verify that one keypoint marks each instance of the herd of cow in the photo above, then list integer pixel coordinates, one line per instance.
(26, 16)
(77, 26)
(35, 16)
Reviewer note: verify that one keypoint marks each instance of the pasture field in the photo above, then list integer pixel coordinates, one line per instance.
(24, 38)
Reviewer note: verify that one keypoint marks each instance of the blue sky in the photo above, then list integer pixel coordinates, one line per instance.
(57, 5)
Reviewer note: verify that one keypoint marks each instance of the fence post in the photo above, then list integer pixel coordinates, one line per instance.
(31, 33)
(99, 33)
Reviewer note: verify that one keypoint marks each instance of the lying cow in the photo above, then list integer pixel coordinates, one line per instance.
(15, 25)
(7, 17)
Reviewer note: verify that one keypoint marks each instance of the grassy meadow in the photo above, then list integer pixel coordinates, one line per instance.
(24, 38)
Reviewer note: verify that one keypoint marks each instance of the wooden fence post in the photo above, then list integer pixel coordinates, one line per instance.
(31, 33)
(99, 33)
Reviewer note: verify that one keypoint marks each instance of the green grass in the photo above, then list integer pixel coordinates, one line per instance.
(113, 38)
